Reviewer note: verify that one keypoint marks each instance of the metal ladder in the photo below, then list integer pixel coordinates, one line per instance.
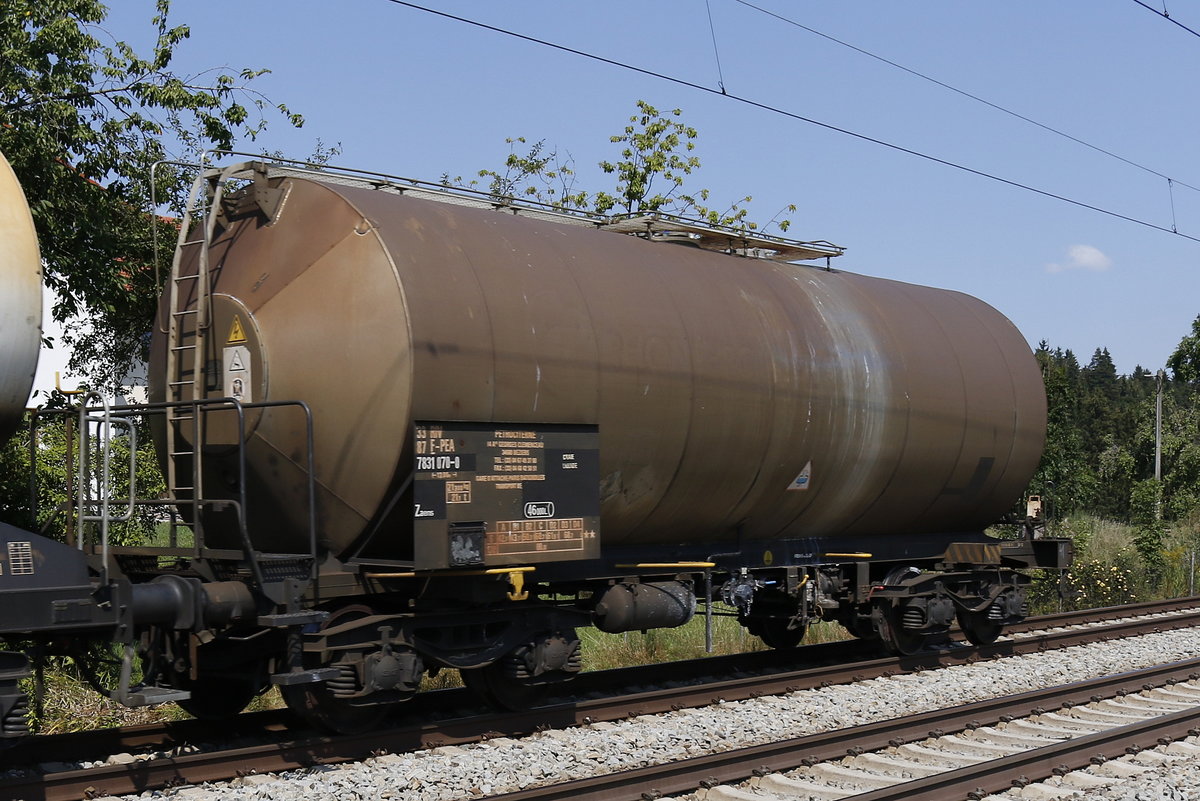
(94, 481)
(187, 332)
(235, 191)
(94, 474)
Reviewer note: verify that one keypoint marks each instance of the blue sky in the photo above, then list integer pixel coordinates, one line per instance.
(410, 93)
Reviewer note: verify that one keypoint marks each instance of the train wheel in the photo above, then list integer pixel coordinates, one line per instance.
(228, 678)
(318, 704)
(861, 627)
(977, 628)
(219, 697)
(895, 637)
(500, 690)
(774, 632)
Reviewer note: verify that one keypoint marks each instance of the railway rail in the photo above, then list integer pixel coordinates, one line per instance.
(759, 674)
(975, 780)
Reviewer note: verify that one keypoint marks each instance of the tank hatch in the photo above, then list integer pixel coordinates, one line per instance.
(723, 239)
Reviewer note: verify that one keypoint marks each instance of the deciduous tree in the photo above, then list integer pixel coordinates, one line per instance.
(1185, 360)
(82, 118)
(656, 155)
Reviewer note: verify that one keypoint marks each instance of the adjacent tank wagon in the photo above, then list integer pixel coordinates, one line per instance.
(20, 302)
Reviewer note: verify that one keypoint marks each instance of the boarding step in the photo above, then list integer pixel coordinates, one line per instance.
(285, 619)
(149, 696)
(304, 676)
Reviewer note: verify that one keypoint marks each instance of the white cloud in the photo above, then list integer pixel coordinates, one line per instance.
(1082, 257)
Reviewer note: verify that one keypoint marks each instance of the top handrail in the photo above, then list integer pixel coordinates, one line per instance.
(755, 241)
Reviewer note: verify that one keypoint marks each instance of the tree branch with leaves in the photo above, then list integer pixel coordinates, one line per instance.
(656, 157)
(82, 119)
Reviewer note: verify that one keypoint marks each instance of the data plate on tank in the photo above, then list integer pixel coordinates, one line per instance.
(489, 494)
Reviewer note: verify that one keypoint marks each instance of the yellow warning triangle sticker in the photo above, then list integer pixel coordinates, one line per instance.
(236, 332)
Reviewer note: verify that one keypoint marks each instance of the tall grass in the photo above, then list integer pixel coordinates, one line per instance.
(72, 705)
(604, 651)
(1108, 569)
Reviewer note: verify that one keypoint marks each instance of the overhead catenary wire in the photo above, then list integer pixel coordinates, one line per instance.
(1171, 194)
(1167, 17)
(969, 95)
(791, 115)
(716, 53)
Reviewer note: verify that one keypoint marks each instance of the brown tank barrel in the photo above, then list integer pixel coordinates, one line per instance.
(731, 394)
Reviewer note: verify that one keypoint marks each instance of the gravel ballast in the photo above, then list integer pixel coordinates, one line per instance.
(504, 765)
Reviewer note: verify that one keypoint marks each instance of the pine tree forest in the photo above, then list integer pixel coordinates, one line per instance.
(1136, 535)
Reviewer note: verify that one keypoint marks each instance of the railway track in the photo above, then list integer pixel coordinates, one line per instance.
(966, 751)
(282, 748)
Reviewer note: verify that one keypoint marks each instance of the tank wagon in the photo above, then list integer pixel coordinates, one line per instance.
(20, 303)
(20, 338)
(411, 429)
